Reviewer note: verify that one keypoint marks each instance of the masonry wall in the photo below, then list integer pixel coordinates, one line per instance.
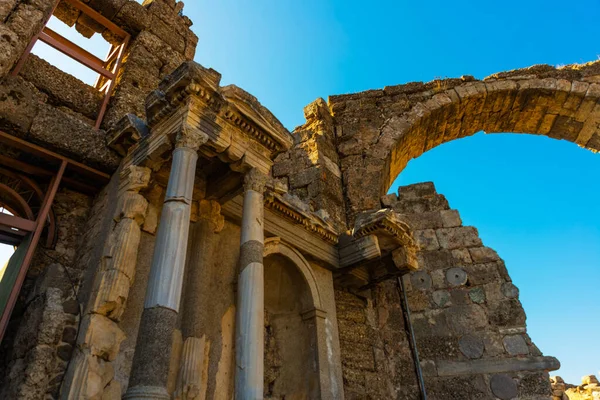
(47, 106)
(43, 328)
(375, 354)
(469, 324)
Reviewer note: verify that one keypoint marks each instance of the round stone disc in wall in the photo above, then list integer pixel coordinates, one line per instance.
(456, 276)
(420, 280)
(503, 387)
(471, 346)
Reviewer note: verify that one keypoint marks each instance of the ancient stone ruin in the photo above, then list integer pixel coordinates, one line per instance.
(174, 240)
(588, 390)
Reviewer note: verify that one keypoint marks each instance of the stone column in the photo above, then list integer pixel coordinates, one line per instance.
(149, 374)
(250, 302)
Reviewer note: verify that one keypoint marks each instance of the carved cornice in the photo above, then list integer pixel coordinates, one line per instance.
(309, 222)
(189, 80)
(252, 129)
(385, 222)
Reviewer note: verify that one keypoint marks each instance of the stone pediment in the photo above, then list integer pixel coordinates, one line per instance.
(240, 130)
(247, 105)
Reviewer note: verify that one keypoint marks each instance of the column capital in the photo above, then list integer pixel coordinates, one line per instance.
(255, 180)
(190, 138)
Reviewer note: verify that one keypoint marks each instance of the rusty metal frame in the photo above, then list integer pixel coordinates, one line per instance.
(9, 223)
(102, 67)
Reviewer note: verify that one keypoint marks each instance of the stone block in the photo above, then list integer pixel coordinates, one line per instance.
(389, 200)
(481, 255)
(102, 337)
(454, 238)
(477, 295)
(426, 220)
(133, 206)
(515, 345)
(441, 297)
(466, 318)
(121, 252)
(450, 218)
(68, 135)
(18, 101)
(63, 89)
(426, 239)
(462, 255)
(416, 191)
(509, 290)
(9, 48)
(112, 294)
(508, 313)
(471, 346)
(26, 20)
(481, 274)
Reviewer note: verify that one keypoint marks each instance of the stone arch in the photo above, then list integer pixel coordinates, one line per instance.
(382, 130)
(296, 363)
(275, 246)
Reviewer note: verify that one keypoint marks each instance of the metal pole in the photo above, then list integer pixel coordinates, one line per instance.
(411, 336)
(39, 227)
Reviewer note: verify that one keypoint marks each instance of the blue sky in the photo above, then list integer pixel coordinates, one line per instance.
(533, 199)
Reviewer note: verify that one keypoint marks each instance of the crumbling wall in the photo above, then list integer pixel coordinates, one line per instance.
(311, 166)
(380, 131)
(49, 107)
(376, 359)
(469, 323)
(588, 390)
(43, 327)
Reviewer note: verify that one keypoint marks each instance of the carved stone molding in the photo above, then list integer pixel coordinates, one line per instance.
(308, 221)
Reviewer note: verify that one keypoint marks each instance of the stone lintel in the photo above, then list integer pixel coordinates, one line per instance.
(494, 366)
(304, 238)
(358, 251)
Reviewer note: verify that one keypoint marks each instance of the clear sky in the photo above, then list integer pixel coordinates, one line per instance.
(533, 199)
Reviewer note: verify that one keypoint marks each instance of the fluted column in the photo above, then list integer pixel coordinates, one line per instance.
(149, 374)
(250, 302)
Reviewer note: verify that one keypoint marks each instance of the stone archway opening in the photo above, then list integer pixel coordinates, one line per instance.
(291, 356)
(532, 232)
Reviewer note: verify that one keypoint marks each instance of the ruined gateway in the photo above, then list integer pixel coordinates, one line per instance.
(193, 248)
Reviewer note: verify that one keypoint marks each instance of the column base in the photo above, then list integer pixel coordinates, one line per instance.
(146, 393)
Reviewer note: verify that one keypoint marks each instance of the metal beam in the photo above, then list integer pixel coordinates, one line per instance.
(21, 224)
(41, 152)
(39, 227)
(77, 53)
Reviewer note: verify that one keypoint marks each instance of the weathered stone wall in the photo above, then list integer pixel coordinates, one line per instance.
(311, 166)
(468, 321)
(588, 390)
(46, 106)
(376, 359)
(380, 131)
(44, 324)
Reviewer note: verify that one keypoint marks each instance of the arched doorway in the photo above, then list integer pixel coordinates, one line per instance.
(293, 317)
